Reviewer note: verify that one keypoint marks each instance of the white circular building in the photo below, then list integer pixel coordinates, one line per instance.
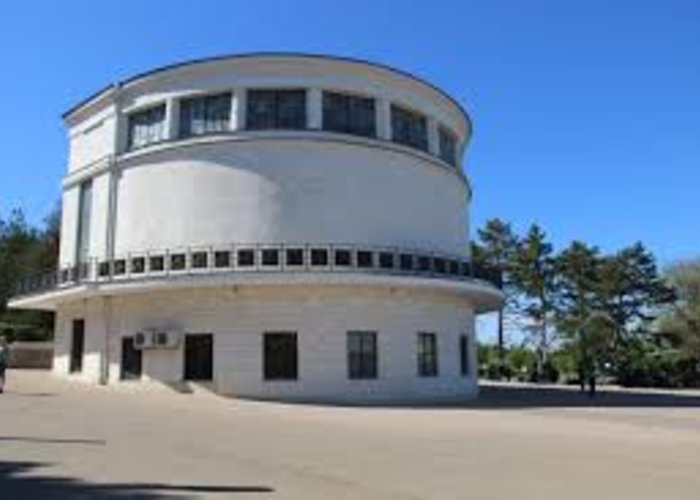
(278, 226)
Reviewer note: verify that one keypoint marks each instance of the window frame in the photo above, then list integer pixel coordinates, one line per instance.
(208, 128)
(348, 105)
(364, 363)
(464, 355)
(414, 133)
(131, 116)
(427, 355)
(445, 136)
(273, 118)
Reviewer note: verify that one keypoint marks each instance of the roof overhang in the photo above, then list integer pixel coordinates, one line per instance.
(483, 296)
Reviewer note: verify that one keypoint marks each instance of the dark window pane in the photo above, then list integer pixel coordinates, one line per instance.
(177, 262)
(464, 354)
(103, 269)
(222, 259)
(409, 128)
(362, 355)
(157, 263)
(454, 267)
(246, 258)
(119, 267)
(349, 114)
(427, 355)
(295, 256)
(270, 257)
(386, 260)
(343, 258)
(423, 263)
(276, 109)
(364, 258)
(280, 356)
(406, 261)
(138, 265)
(146, 127)
(448, 146)
(319, 257)
(439, 265)
(205, 114)
(200, 260)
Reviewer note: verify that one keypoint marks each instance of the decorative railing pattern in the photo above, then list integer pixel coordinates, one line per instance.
(261, 258)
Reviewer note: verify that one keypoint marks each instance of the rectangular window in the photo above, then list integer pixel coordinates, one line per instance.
(246, 258)
(280, 356)
(205, 115)
(84, 219)
(222, 258)
(343, 258)
(386, 260)
(319, 257)
(157, 263)
(200, 260)
(270, 257)
(365, 258)
(276, 109)
(349, 114)
(464, 355)
(146, 127)
(409, 128)
(427, 355)
(448, 146)
(295, 256)
(362, 355)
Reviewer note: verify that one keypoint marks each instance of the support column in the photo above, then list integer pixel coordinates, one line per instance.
(383, 111)
(238, 109)
(314, 109)
(433, 137)
(172, 118)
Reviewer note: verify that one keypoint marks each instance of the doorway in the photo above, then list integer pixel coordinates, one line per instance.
(199, 356)
(77, 346)
(131, 360)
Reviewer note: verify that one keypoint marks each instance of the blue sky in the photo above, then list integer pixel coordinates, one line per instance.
(586, 113)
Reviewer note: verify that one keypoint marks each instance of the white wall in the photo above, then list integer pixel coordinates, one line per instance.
(321, 317)
(286, 191)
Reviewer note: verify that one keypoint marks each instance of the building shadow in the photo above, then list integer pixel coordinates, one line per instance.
(19, 481)
(507, 396)
(515, 396)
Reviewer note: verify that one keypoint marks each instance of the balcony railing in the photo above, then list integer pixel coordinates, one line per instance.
(261, 258)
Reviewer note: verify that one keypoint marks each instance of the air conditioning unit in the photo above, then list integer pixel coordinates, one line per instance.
(143, 339)
(166, 339)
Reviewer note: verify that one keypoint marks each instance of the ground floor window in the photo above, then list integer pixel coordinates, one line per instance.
(280, 356)
(427, 355)
(199, 356)
(464, 354)
(77, 346)
(362, 355)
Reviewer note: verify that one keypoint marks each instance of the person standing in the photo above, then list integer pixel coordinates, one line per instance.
(4, 360)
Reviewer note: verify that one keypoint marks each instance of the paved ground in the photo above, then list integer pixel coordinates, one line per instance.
(60, 441)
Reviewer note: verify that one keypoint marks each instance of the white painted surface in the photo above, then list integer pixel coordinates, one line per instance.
(320, 316)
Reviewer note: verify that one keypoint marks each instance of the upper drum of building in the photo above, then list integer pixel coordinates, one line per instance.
(347, 99)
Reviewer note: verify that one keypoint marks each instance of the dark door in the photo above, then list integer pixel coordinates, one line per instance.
(199, 356)
(131, 360)
(77, 346)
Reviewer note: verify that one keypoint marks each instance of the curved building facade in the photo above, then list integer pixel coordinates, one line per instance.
(275, 226)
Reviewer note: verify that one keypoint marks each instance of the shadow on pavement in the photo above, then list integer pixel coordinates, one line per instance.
(28, 439)
(506, 396)
(15, 484)
(519, 397)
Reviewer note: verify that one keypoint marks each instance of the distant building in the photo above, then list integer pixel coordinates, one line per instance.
(278, 226)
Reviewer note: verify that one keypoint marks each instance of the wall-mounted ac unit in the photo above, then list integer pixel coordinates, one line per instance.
(166, 339)
(143, 339)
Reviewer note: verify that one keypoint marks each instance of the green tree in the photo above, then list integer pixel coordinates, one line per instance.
(496, 247)
(533, 273)
(630, 292)
(577, 274)
(682, 322)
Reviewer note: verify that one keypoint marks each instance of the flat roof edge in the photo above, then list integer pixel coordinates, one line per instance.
(250, 55)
